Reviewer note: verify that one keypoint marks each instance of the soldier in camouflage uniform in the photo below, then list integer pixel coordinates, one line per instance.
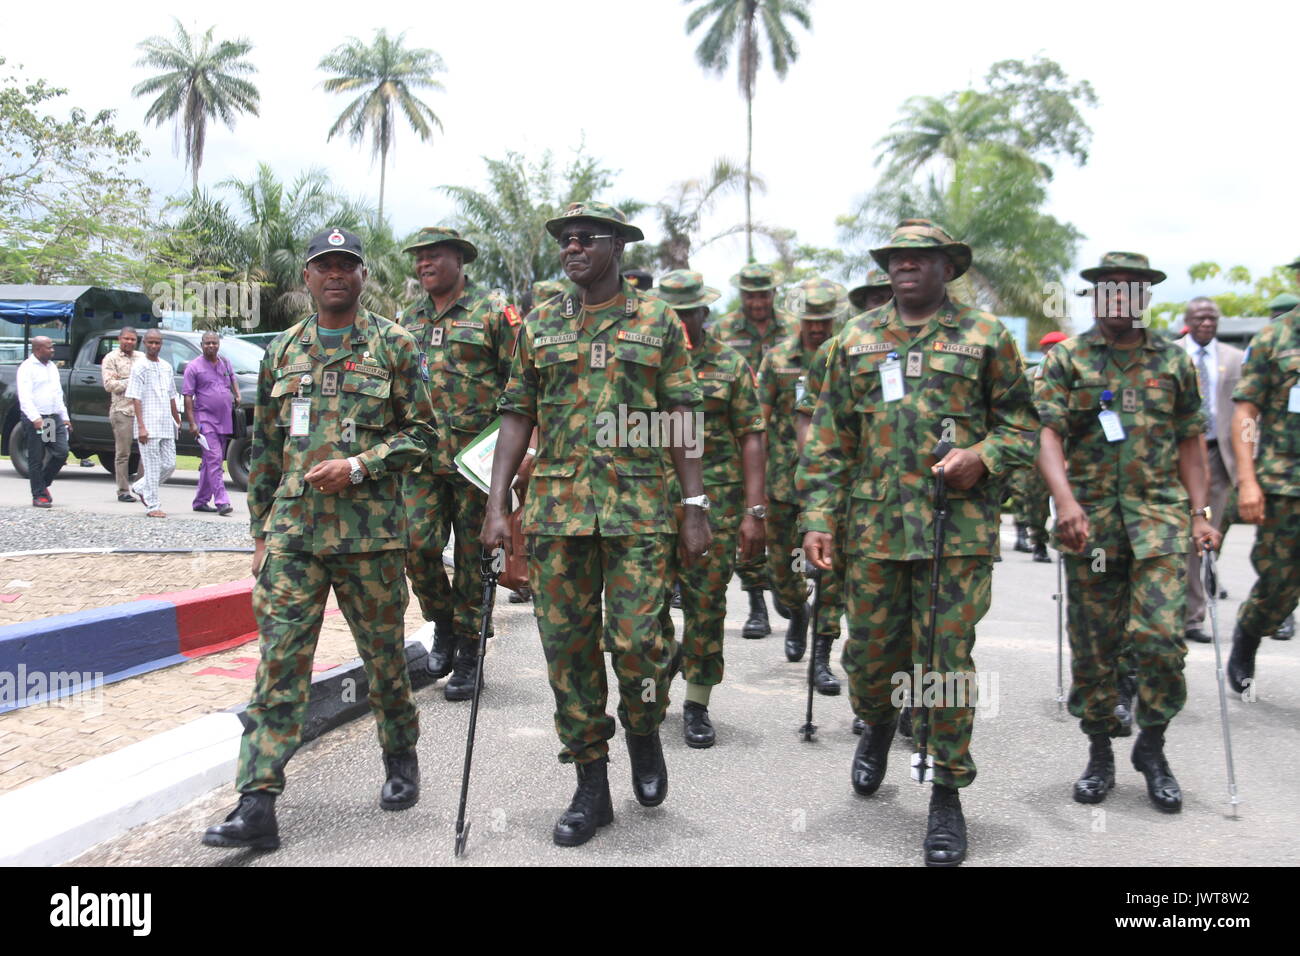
(782, 383)
(902, 377)
(1281, 304)
(1122, 407)
(752, 331)
(872, 294)
(466, 337)
(341, 411)
(732, 461)
(1032, 509)
(1266, 440)
(590, 365)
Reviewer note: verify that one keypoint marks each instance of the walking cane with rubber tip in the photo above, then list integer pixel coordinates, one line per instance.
(490, 565)
(814, 572)
(1059, 598)
(1212, 600)
(922, 765)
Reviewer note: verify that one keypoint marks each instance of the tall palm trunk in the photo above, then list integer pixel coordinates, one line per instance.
(749, 159)
(383, 170)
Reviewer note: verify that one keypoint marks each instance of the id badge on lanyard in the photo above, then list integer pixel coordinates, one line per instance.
(891, 378)
(1111, 426)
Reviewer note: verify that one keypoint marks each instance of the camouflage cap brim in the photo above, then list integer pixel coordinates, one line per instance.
(958, 253)
(429, 238)
(594, 211)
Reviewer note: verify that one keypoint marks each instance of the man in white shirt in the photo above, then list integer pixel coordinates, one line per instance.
(45, 419)
(152, 388)
(1218, 367)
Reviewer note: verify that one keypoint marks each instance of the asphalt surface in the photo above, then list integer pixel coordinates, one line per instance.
(762, 796)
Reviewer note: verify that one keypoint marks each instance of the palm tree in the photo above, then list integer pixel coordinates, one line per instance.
(682, 212)
(385, 74)
(202, 81)
(740, 22)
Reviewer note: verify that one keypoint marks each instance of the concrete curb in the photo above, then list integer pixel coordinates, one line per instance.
(58, 818)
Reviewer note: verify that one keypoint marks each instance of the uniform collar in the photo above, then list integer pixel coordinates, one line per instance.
(311, 339)
(624, 306)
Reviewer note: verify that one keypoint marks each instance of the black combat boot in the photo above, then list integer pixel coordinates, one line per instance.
(464, 672)
(1040, 550)
(522, 596)
(676, 599)
(1022, 537)
(796, 635)
(823, 679)
(859, 725)
(590, 807)
(945, 834)
(779, 607)
(402, 788)
(251, 824)
(756, 625)
(1241, 662)
(1124, 709)
(442, 651)
(871, 757)
(1149, 760)
(649, 772)
(905, 723)
(1099, 776)
(699, 732)
(1287, 630)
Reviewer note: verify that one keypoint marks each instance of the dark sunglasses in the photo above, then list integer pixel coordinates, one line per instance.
(585, 239)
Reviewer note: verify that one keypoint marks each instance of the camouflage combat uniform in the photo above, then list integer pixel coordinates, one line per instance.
(466, 361)
(866, 465)
(731, 411)
(369, 402)
(597, 513)
(1128, 585)
(1030, 490)
(1270, 380)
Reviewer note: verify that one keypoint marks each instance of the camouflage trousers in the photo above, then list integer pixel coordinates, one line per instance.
(289, 604)
(569, 575)
(1276, 559)
(1031, 496)
(889, 612)
(704, 607)
(435, 505)
(783, 542)
(1132, 607)
(753, 574)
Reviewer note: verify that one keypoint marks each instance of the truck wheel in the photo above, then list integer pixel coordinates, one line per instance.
(238, 461)
(109, 464)
(18, 448)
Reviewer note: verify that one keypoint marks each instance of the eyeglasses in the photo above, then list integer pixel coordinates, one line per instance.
(585, 239)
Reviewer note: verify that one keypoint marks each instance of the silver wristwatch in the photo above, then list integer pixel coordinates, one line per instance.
(757, 511)
(700, 501)
(356, 476)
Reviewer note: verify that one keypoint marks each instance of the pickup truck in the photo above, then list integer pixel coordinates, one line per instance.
(83, 392)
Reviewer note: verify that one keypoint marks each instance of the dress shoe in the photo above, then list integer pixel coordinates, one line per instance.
(945, 834)
(823, 679)
(443, 650)
(871, 757)
(205, 508)
(1241, 662)
(1022, 538)
(1287, 630)
(126, 496)
(649, 772)
(464, 671)
(402, 788)
(698, 730)
(1198, 635)
(1099, 776)
(225, 510)
(590, 807)
(1149, 760)
(796, 634)
(756, 625)
(251, 824)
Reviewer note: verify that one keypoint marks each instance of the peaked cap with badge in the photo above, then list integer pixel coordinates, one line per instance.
(334, 239)
(925, 234)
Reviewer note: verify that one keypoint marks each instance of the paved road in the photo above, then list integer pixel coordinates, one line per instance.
(762, 796)
(94, 490)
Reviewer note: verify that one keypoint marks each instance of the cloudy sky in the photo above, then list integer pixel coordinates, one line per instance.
(1192, 157)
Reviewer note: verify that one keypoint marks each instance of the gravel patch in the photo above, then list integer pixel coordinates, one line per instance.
(28, 529)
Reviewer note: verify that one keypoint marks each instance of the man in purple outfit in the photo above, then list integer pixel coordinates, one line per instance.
(210, 391)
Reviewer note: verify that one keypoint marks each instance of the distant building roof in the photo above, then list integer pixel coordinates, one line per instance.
(44, 293)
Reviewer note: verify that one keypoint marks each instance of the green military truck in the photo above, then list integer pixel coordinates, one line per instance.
(83, 321)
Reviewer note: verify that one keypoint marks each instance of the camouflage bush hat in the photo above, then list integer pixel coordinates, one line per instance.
(1285, 301)
(1133, 262)
(815, 300)
(875, 280)
(755, 278)
(611, 216)
(683, 289)
(437, 235)
(924, 234)
(546, 289)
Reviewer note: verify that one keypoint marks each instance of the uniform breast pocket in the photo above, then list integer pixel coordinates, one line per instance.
(637, 367)
(716, 396)
(872, 436)
(283, 393)
(557, 373)
(957, 377)
(469, 349)
(369, 510)
(366, 404)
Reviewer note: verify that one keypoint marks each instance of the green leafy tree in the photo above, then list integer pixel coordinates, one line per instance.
(1251, 302)
(682, 212)
(202, 80)
(946, 128)
(384, 75)
(744, 24)
(72, 209)
(1044, 106)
